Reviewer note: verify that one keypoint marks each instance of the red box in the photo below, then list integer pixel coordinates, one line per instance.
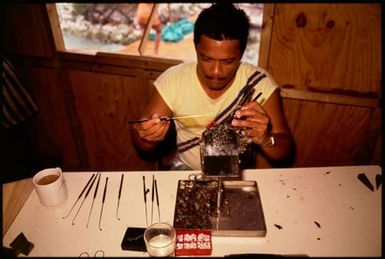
(193, 242)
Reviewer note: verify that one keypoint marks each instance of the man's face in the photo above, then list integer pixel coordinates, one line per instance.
(218, 62)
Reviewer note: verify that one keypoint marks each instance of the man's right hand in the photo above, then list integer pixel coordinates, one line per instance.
(153, 130)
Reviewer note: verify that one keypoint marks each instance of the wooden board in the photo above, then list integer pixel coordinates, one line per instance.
(327, 45)
(15, 195)
(104, 104)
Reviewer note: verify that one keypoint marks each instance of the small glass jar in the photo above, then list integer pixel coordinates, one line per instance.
(160, 240)
(220, 151)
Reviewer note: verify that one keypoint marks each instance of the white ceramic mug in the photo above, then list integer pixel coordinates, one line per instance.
(50, 186)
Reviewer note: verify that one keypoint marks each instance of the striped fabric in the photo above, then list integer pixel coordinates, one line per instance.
(17, 106)
(244, 96)
(227, 114)
(184, 146)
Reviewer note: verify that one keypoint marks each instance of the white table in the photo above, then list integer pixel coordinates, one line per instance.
(323, 211)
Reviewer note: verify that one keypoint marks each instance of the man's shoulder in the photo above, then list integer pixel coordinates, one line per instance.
(250, 68)
(174, 74)
(181, 68)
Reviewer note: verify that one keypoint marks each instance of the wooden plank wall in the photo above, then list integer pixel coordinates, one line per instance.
(327, 58)
(84, 100)
(330, 76)
(102, 106)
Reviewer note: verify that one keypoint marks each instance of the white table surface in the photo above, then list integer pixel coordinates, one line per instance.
(348, 214)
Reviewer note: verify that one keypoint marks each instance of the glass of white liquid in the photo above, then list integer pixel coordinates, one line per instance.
(160, 239)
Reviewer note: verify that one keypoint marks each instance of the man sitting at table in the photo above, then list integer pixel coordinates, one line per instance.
(209, 86)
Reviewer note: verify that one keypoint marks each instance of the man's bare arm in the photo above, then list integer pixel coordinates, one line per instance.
(260, 122)
(146, 135)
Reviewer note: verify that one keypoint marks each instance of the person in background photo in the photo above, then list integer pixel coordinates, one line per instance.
(143, 13)
(212, 85)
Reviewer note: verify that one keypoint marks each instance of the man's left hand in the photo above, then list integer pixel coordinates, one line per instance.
(254, 121)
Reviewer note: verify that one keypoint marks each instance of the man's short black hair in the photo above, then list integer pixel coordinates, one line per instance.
(223, 21)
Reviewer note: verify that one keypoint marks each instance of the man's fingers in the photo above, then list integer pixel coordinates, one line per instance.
(153, 129)
(159, 134)
(253, 105)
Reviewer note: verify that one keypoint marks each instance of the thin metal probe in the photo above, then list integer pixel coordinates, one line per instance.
(241, 102)
(84, 198)
(80, 195)
(152, 198)
(157, 200)
(219, 198)
(165, 118)
(93, 200)
(145, 198)
(104, 198)
(120, 193)
(245, 98)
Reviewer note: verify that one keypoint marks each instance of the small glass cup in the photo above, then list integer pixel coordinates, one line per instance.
(160, 239)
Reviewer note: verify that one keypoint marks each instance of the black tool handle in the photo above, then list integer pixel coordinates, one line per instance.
(97, 186)
(105, 190)
(152, 189)
(144, 189)
(163, 118)
(85, 187)
(156, 191)
(120, 187)
(89, 189)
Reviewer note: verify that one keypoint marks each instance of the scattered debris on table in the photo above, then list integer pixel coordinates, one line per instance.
(278, 226)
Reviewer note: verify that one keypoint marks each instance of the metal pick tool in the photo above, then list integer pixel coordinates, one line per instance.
(157, 200)
(93, 200)
(152, 198)
(120, 193)
(247, 98)
(85, 196)
(145, 198)
(104, 198)
(165, 118)
(80, 195)
(219, 198)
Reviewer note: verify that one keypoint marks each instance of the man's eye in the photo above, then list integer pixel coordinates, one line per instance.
(227, 62)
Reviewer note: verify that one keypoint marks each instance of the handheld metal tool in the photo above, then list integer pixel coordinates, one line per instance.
(93, 200)
(219, 198)
(145, 198)
(152, 198)
(104, 198)
(85, 196)
(165, 118)
(157, 200)
(80, 195)
(120, 193)
(247, 98)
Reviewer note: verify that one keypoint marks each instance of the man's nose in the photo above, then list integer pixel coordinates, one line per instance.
(217, 69)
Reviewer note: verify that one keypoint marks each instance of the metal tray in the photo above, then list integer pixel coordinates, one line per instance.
(240, 213)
